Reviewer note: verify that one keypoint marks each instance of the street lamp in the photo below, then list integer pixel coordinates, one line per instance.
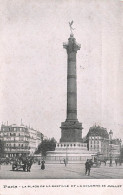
(43, 137)
(66, 154)
(120, 158)
(110, 148)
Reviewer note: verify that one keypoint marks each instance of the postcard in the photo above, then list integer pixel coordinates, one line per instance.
(61, 110)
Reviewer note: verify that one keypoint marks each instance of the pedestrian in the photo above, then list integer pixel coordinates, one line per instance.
(65, 163)
(29, 164)
(87, 167)
(116, 162)
(120, 162)
(42, 164)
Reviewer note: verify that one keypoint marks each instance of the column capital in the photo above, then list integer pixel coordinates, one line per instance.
(71, 45)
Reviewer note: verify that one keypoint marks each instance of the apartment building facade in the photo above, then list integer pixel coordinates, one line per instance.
(19, 140)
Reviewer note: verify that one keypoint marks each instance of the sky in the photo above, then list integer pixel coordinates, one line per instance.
(33, 63)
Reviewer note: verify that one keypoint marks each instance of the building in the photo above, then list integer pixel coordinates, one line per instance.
(16, 140)
(20, 140)
(114, 146)
(36, 138)
(32, 140)
(101, 142)
(39, 138)
(98, 141)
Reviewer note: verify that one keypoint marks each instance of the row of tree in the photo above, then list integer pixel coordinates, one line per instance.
(46, 145)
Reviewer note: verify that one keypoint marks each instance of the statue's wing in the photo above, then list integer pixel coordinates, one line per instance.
(71, 22)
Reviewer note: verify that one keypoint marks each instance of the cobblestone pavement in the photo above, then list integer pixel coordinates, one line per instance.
(59, 171)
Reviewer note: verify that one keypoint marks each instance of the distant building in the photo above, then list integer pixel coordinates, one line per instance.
(36, 138)
(19, 140)
(39, 138)
(114, 146)
(98, 141)
(32, 140)
(101, 142)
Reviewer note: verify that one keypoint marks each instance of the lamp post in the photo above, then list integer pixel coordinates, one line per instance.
(43, 137)
(120, 158)
(66, 154)
(110, 147)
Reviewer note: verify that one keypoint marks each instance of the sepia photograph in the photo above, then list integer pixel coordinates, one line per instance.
(61, 91)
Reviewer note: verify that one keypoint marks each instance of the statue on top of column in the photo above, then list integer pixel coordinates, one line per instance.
(71, 28)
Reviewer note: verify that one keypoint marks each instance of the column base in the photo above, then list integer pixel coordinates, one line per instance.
(71, 131)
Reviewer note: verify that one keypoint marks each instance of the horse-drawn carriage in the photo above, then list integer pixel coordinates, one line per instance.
(18, 166)
(24, 165)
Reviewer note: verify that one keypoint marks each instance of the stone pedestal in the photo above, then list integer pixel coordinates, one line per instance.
(73, 152)
(71, 131)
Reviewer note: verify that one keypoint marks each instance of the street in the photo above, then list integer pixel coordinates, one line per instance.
(59, 171)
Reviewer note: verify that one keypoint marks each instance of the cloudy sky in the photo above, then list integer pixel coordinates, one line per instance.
(33, 63)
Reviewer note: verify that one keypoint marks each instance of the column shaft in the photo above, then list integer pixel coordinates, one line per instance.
(71, 87)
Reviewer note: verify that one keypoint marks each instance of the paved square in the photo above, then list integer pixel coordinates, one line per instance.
(59, 171)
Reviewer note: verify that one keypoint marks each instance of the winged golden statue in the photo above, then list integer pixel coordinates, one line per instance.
(71, 28)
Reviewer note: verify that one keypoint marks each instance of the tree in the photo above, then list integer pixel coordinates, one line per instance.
(1, 149)
(46, 145)
(121, 153)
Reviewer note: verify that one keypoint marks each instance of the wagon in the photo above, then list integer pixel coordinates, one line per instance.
(96, 164)
(17, 166)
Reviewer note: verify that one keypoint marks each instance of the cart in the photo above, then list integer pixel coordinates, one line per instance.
(17, 166)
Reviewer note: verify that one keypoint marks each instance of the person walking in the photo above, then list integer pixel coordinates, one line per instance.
(116, 162)
(42, 164)
(87, 167)
(65, 163)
